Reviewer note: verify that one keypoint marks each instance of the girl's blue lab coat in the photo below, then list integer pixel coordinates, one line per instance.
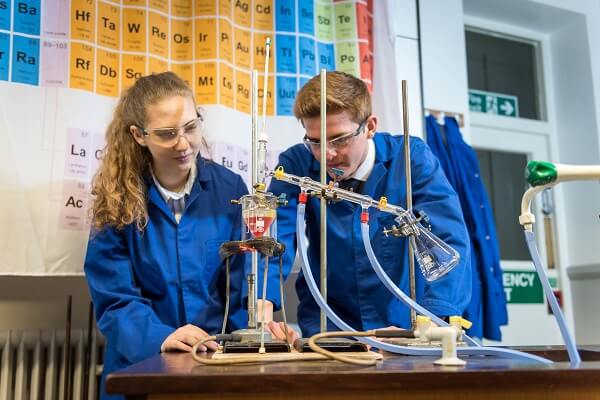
(354, 291)
(145, 285)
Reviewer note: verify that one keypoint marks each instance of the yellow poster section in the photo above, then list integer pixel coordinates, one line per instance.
(212, 44)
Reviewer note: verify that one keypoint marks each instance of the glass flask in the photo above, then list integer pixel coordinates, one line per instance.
(259, 213)
(434, 256)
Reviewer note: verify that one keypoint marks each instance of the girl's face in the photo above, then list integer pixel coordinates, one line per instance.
(172, 135)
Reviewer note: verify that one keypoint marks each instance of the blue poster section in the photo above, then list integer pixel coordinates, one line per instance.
(25, 60)
(326, 56)
(27, 17)
(285, 16)
(5, 14)
(286, 93)
(306, 17)
(308, 63)
(4, 55)
(303, 81)
(286, 53)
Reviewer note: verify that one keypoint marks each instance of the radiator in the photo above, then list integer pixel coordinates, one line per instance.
(35, 365)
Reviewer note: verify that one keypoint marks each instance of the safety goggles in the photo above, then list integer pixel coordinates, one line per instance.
(170, 136)
(337, 142)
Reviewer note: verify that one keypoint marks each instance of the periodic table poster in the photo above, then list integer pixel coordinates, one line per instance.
(63, 64)
(102, 46)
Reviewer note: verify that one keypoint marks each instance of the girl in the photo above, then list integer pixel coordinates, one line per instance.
(160, 212)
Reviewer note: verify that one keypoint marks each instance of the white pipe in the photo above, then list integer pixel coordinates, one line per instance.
(568, 173)
(448, 335)
(527, 219)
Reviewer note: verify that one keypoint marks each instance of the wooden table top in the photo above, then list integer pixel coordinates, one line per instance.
(179, 373)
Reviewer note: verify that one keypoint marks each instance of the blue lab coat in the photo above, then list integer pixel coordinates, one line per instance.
(354, 291)
(145, 285)
(487, 309)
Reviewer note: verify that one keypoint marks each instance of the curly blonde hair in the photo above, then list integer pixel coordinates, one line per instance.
(118, 188)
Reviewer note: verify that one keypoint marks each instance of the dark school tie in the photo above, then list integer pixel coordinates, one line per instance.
(351, 184)
(176, 206)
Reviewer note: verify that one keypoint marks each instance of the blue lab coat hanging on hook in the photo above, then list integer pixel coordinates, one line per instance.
(487, 309)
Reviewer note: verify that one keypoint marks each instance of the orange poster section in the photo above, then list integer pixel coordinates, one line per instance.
(215, 44)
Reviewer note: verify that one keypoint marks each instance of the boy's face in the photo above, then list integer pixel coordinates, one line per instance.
(350, 150)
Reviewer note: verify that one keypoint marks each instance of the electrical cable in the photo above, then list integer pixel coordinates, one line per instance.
(281, 357)
(264, 301)
(227, 296)
(314, 346)
(267, 246)
(285, 325)
(210, 361)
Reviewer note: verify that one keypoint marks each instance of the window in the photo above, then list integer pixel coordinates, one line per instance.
(503, 176)
(506, 65)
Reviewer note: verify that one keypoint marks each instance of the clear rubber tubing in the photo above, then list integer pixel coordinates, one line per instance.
(558, 315)
(411, 351)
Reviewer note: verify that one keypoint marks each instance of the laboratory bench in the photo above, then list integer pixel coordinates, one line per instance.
(178, 376)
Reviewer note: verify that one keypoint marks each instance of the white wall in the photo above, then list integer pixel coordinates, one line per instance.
(444, 57)
(395, 32)
(577, 137)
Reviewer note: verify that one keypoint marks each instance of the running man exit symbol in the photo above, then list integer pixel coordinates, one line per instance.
(493, 103)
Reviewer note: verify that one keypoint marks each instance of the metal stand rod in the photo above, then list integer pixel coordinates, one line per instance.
(323, 200)
(254, 113)
(262, 137)
(259, 155)
(411, 257)
(251, 278)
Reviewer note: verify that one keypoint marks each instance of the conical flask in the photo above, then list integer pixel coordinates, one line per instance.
(434, 256)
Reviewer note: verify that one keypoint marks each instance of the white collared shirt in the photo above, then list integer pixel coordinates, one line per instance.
(176, 200)
(364, 170)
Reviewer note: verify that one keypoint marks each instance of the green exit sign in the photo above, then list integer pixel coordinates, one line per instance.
(493, 103)
(522, 287)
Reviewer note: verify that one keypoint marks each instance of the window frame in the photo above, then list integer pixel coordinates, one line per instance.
(538, 63)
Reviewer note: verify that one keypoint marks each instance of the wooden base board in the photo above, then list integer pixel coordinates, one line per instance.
(271, 357)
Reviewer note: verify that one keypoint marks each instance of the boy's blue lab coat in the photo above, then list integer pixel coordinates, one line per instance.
(145, 285)
(354, 291)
